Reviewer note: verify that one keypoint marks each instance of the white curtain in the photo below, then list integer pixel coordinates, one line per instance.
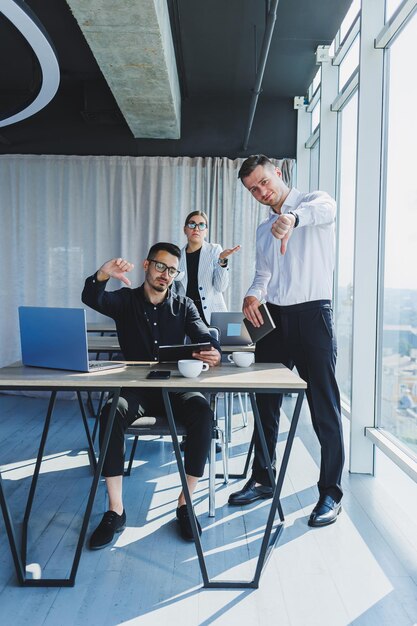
(63, 216)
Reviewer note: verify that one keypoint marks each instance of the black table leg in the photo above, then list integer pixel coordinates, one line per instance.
(267, 543)
(20, 559)
(181, 469)
(91, 450)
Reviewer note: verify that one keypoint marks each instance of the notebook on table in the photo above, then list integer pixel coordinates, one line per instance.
(233, 331)
(57, 338)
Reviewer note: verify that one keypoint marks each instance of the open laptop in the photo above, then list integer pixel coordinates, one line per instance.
(232, 329)
(57, 338)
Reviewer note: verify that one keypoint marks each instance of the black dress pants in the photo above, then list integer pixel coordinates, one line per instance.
(190, 409)
(304, 337)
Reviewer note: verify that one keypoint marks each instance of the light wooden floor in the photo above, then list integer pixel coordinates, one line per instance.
(362, 570)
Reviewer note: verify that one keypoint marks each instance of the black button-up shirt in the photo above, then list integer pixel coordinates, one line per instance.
(142, 326)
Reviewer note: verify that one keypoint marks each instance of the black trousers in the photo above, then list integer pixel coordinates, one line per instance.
(304, 337)
(190, 409)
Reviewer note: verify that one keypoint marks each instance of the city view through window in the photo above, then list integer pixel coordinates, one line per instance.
(398, 355)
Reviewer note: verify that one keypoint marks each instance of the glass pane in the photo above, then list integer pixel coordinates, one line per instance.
(390, 7)
(350, 18)
(348, 118)
(349, 63)
(316, 80)
(398, 384)
(314, 166)
(315, 117)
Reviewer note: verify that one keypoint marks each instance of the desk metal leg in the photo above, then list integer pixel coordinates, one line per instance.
(172, 427)
(91, 451)
(93, 490)
(35, 476)
(20, 560)
(264, 447)
(11, 536)
(267, 543)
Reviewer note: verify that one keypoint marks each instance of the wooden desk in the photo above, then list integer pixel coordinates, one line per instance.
(259, 378)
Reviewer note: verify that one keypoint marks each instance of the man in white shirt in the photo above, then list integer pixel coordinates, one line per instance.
(295, 254)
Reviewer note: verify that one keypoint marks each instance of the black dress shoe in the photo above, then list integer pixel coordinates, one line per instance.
(183, 520)
(104, 533)
(325, 512)
(250, 493)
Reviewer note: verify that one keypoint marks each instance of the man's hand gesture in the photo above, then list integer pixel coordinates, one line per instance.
(115, 268)
(282, 229)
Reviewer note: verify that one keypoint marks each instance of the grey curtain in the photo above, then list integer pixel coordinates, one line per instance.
(63, 216)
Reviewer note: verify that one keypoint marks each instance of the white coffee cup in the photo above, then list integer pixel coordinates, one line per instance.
(191, 368)
(241, 359)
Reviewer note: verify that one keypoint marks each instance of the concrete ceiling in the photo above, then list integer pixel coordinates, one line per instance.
(119, 92)
(132, 44)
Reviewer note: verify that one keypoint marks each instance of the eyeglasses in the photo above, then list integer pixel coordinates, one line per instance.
(200, 225)
(162, 267)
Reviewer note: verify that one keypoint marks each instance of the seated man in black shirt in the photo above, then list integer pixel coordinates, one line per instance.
(146, 317)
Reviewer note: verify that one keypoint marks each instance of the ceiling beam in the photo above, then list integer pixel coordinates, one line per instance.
(132, 44)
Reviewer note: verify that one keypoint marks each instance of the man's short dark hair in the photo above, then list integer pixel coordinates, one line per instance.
(171, 248)
(251, 163)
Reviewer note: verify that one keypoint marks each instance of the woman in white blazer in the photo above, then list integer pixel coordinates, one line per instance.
(204, 267)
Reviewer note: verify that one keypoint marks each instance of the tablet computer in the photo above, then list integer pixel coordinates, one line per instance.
(170, 354)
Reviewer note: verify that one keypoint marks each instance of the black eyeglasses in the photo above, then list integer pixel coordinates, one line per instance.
(162, 267)
(200, 225)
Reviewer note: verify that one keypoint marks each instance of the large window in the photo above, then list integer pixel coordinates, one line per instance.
(349, 63)
(346, 226)
(390, 8)
(314, 166)
(350, 18)
(398, 340)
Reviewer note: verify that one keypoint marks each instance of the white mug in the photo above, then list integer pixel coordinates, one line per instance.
(241, 359)
(191, 368)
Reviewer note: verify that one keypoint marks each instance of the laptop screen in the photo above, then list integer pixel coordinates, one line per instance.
(232, 329)
(54, 337)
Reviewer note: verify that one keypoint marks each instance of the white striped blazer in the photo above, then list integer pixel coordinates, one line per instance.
(212, 279)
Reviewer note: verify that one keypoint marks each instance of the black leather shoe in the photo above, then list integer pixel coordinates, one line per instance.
(250, 493)
(325, 512)
(185, 524)
(104, 533)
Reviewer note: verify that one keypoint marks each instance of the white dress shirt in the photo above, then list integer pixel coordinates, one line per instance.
(305, 272)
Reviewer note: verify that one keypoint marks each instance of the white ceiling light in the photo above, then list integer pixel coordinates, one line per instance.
(31, 29)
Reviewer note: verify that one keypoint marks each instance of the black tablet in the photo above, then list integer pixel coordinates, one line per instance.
(170, 354)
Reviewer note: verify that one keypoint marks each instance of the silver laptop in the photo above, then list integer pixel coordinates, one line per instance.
(57, 338)
(232, 329)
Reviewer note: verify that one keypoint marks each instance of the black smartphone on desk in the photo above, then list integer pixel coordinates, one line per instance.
(159, 374)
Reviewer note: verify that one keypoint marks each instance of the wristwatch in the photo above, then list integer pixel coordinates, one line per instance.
(222, 262)
(297, 219)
